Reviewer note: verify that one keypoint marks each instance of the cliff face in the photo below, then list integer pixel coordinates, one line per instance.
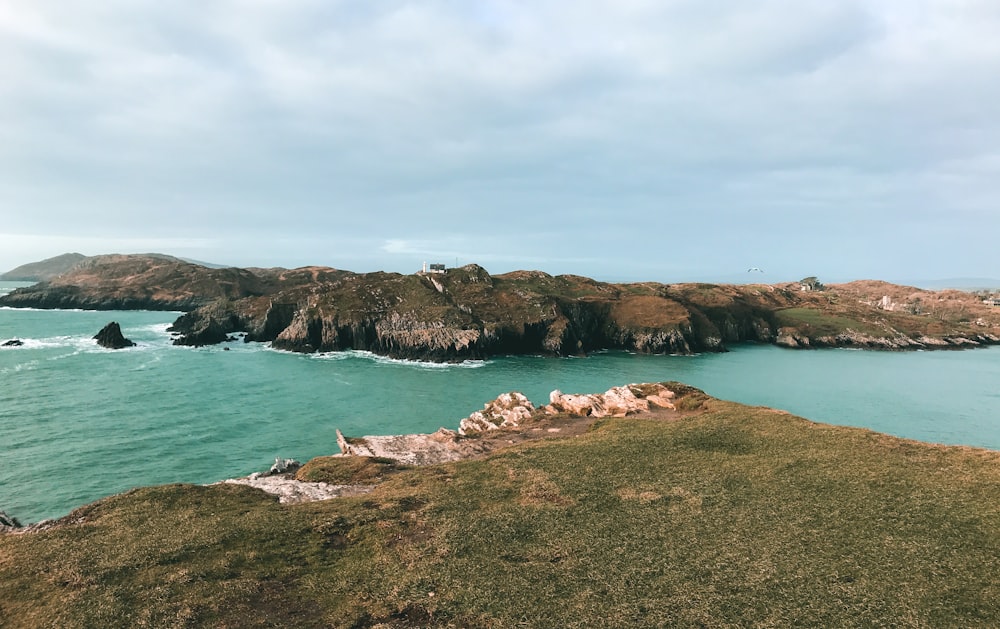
(468, 313)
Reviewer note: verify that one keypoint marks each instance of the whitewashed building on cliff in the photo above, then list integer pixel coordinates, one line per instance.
(434, 268)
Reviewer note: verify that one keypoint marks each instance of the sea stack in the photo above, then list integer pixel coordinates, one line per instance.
(111, 337)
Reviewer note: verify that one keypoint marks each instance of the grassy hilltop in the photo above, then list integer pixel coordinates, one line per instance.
(714, 515)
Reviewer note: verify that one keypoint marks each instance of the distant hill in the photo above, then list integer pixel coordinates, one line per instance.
(44, 270)
(960, 283)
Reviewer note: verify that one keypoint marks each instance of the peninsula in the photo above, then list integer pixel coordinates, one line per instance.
(649, 505)
(467, 313)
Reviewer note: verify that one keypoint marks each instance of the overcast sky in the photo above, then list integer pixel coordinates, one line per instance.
(629, 140)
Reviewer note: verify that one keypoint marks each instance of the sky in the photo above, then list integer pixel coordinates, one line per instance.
(661, 140)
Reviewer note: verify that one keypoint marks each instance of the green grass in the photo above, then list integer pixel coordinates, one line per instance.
(354, 470)
(737, 516)
(816, 323)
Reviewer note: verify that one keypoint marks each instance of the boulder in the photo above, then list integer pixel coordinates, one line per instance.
(111, 337)
(575, 405)
(284, 465)
(13, 343)
(620, 401)
(507, 411)
(615, 402)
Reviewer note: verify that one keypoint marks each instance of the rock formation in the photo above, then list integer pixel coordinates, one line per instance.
(291, 491)
(438, 447)
(466, 313)
(509, 412)
(8, 523)
(209, 332)
(615, 402)
(111, 337)
(282, 466)
(13, 343)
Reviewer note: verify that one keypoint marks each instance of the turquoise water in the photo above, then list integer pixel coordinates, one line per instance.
(78, 422)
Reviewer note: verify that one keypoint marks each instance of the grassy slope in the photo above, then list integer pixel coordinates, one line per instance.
(737, 516)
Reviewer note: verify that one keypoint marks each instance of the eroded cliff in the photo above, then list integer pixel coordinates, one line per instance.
(466, 313)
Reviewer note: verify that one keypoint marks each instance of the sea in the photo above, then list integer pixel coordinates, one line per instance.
(79, 422)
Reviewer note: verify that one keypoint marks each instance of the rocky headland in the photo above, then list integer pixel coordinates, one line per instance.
(709, 513)
(467, 313)
(509, 419)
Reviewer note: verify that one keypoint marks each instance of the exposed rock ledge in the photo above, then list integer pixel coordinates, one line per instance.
(483, 431)
(291, 491)
(506, 420)
(509, 411)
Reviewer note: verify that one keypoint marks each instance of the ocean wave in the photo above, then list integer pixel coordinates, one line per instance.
(155, 328)
(79, 344)
(48, 309)
(31, 365)
(385, 360)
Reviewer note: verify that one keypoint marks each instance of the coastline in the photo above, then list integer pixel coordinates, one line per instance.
(753, 514)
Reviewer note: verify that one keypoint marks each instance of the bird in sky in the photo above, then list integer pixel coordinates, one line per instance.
(754, 269)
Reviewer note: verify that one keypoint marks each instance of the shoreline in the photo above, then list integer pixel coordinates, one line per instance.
(509, 420)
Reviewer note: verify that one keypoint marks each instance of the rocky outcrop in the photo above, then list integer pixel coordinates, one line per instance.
(13, 343)
(467, 313)
(8, 523)
(210, 332)
(507, 411)
(510, 412)
(282, 466)
(615, 402)
(291, 491)
(111, 337)
(791, 338)
(438, 447)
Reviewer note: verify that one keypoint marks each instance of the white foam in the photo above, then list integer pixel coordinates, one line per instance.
(386, 360)
(31, 365)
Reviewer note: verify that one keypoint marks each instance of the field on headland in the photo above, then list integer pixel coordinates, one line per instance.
(721, 515)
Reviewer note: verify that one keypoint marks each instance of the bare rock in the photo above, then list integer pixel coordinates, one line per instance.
(291, 491)
(438, 447)
(284, 465)
(509, 410)
(575, 405)
(13, 343)
(209, 332)
(615, 402)
(111, 337)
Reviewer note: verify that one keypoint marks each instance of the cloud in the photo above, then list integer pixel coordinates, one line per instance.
(276, 120)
